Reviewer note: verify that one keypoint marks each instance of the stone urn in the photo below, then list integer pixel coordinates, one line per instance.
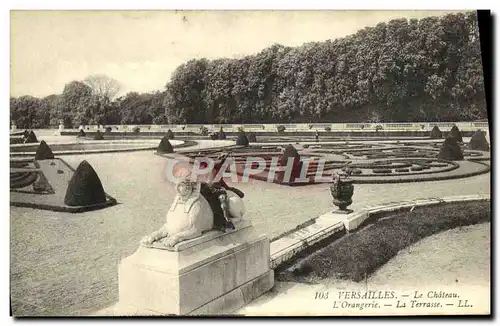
(342, 191)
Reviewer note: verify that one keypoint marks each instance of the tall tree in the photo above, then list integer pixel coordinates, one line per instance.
(23, 111)
(157, 108)
(104, 89)
(183, 99)
(50, 105)
(77, 106)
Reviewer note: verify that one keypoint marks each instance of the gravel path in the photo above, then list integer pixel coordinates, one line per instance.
(66, 264)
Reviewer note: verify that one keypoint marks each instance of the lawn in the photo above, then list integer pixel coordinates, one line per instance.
(359, 254)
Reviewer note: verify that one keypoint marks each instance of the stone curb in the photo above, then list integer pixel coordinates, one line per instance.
(148, 147)
(285, 248)
(91, 151)
(92, 141)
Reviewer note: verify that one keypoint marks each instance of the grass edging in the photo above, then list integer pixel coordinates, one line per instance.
(186, 143)
(358, 254)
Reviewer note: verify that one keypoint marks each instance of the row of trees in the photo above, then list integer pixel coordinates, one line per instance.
(92, 101)
(403, 70)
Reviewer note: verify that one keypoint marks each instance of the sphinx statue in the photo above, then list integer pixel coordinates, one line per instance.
(194, 212)
(189, 252)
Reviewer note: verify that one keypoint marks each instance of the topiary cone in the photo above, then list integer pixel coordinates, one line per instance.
(85, 187)
(450, 150)
(98, 135)
(221, 135)
(436, 133)
(170, 134)
(290, 151)
(456, 134)
(31, 138)
(81, 133)
(43, 152)
(165, 146)
(252, 138)
(242, 139)
(478, 142)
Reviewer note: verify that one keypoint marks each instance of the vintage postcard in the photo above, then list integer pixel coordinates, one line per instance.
(250, 163)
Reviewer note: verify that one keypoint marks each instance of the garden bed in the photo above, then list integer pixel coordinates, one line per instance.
(57, 175)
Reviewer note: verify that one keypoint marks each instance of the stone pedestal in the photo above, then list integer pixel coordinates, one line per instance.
(215, 274)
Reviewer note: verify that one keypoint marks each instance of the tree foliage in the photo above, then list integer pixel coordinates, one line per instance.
(103, 87)
(144, 108)
(76, 105)
(403, 70)
(23, 111)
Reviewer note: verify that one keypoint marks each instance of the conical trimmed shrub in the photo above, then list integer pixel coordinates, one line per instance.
(85, 187)
(98, 135)
(436, 133)
(221, 135)
(170, 134)
(478, 141)
(450, 150)
(81, 133)
(43, 152)
(31, 138)
(242, 140)
(165, 146)
(252, 138)
(455, 133)
(290, 151)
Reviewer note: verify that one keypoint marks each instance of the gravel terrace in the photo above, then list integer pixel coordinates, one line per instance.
(66, 264)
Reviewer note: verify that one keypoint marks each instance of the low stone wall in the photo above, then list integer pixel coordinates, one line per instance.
(286, 133)
(298, 127)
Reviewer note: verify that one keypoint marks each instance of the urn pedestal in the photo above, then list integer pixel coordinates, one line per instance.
(342, 195)
(216, 273)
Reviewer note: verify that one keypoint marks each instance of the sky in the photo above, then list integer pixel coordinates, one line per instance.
(140, 49)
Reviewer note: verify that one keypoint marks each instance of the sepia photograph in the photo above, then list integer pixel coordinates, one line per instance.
(250, 163)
